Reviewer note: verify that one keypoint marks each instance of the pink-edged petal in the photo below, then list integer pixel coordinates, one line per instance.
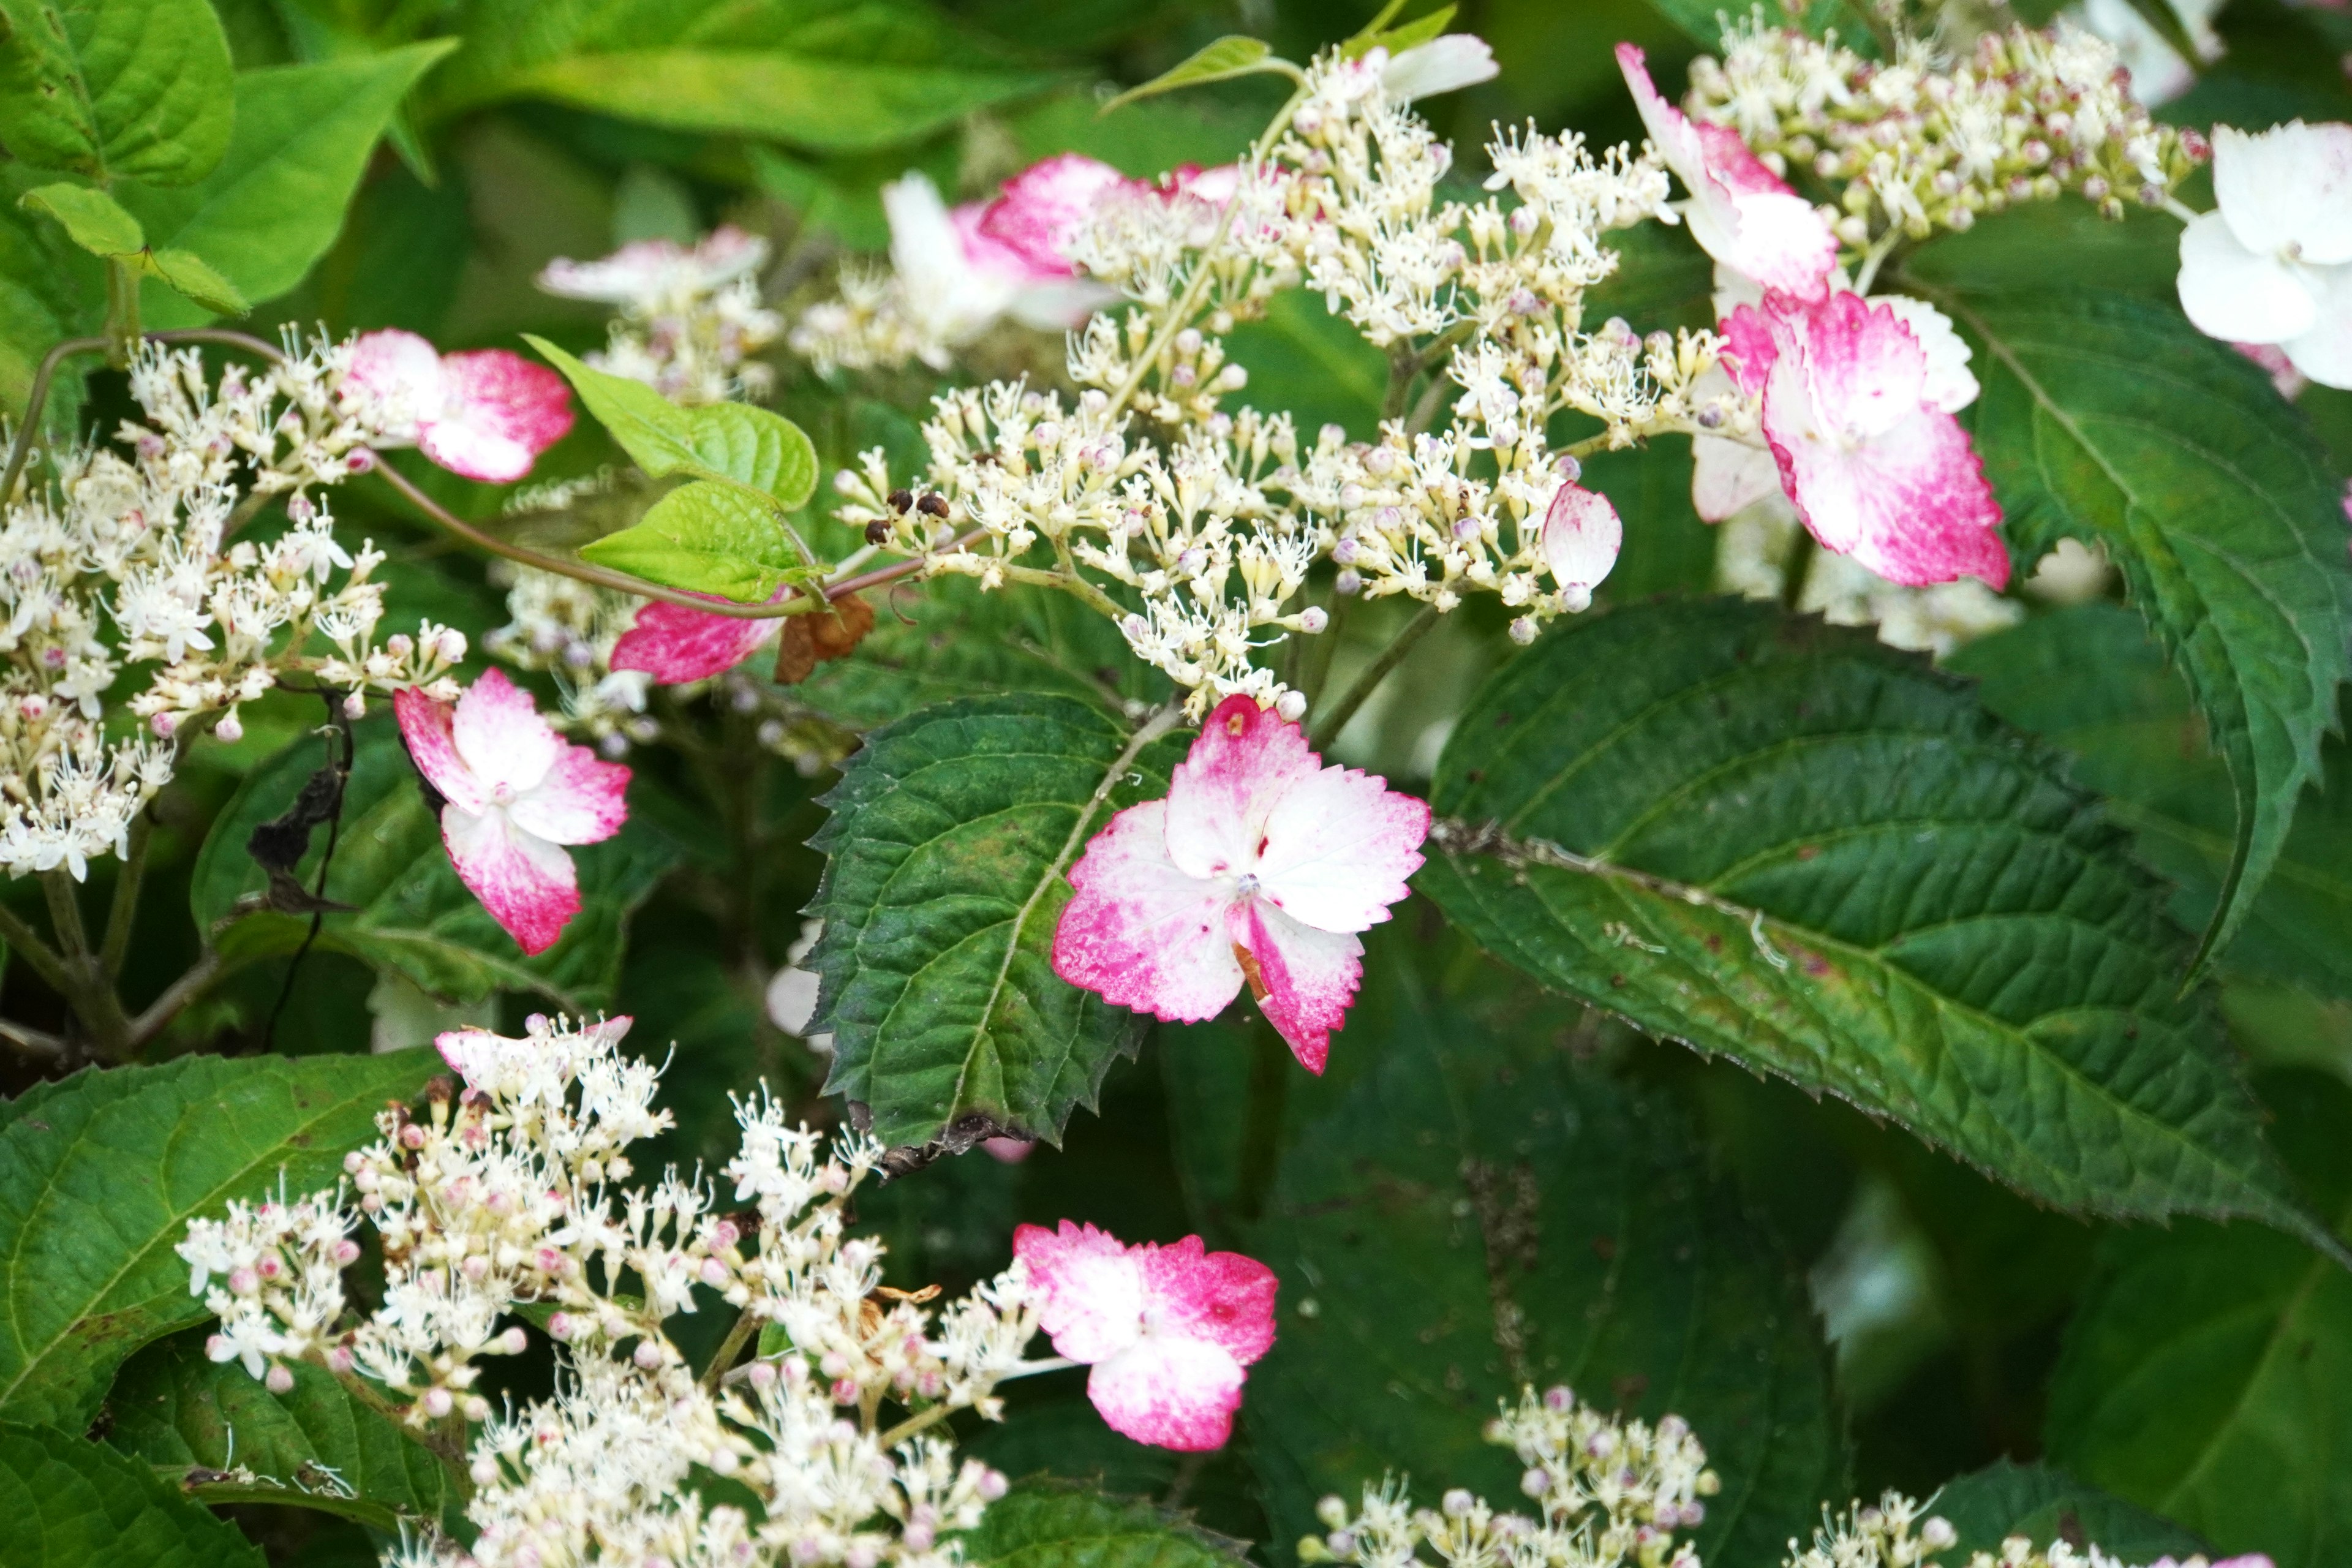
(1913, 505)
(526, 884)
(1172, 1393)
(397, 381)
(582, 800)
(1678, 137)
(1782, 242)
(1245, 759)
(1304, 978)
(2287, 190)
(1042, 209)
(502, 411)
(1750, 347)
(2289, 380)
(1088, 1286)
(1143, 932)
(1224, 1298)
(501, 738)
(676, 645)
(425, 726)
(1949, 384)
(2239, 295)
(1338, 847)
(1581, 536)
(1863, 370)
(2324, 353)
(1728, 477)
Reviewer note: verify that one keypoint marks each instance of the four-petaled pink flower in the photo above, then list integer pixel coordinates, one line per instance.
(1741, 212)
(487, 414)
(1261, 865)
(1167, 1330)
(1857, 413)
(515, 794)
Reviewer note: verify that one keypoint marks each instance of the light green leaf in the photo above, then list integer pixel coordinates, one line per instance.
(2113, 421)
(1396, 40)
(191, 275)
(115, 88)
(2043, 1505)
(99, 1176)
(1783, 841)
(313, 1447)
(950, 836)
(1476, 1215)
(728, 441)
(48, 290)
(92, 219)
(304, 134)
(73, 1503)
(705, 538)
(1062, 1524)
(2208, 1373)
(1229, 56)
(414, 916)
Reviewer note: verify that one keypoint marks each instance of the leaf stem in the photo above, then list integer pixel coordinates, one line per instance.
(1327, 727)
(125, 907)
(739, 1335)
(87, 988)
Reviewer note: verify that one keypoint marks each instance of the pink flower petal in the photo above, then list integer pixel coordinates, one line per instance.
(1749, 348)
(1246, 759)
(526, 884)
(1090, 1287)
(1222, 1297)
(395, 379)
(425, 727)
(502, 412)
(1304, 979)
(1043, 208)
(1176, 1393)
(1338, 847)
(1581, 536)
(499, 735)
(676, 645)
(1143, 932)
(582, 800)
(1728, 477)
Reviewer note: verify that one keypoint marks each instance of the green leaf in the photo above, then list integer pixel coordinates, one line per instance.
(48, 290)
(2208, 1373)
(728, 441)
(73, 1503)
(313, 1447)
(413, 916)
(1061, 1524)
(950, 836)
(1476, 1215)
(92, 219)
(2113, 421)
(706, 537)
(2043, 1505)
(1703, 21)
(2089, 679)
(100, 1176)
(115, 88)
(304, 135)
(190, 275)
(1227, 58)
(1787, 843)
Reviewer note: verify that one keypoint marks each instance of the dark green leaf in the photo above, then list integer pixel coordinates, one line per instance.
(313, 1447)
(2089, 679)
(2042, 1504)
(101, 1175)
(728, 441)
(304, 134)
(949, 835)
(2113, 421)
(1229, 56)
(1823, 857)
(115, 88)
(706, 537)
(414, 916)
(2208, 1375)
(73, 1503)
(1049, 1524)
(92, 219)
(1476, 1216)
(48, 290)
(1703, 21)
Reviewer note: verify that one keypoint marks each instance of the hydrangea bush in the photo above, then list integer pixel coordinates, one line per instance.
(668, 669)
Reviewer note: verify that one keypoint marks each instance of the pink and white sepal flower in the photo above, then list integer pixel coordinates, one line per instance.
(1856, 411)
(657, 271)
(966, 269)
(2273, 264)
(515, 794)
(1741, 212)
(1581, 537)
(1260, 866)
(1168, 1329)
(676, 645)
(487, 414)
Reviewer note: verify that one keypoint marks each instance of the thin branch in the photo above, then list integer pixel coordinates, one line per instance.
(22, 447)
(1368, 680)
(124, 908)
(177, 996)
(26, 942)
(32, 1042)
(737, 1336)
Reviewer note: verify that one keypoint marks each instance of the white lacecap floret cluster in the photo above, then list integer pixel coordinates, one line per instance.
(687, 320)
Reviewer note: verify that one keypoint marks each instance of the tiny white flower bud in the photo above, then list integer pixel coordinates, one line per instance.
(1332, 1512)
(1291, 705)
(437, 1403)
(1937, 1534)
(278, 1380)
(1313, 619)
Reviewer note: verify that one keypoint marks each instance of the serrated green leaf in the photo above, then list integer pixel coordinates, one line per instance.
(2042, 1504)
(190, 275)
(1476, 1215)
(1234, 55)
(728, 441)
(413, 915)
(99, 1180)
(950, 836)
(1062, 1524)
(705, 538)
(2089, 679)
(92, 219)
(1822, 857)
(2208, 1373)
(276, 202)
(313, 1447)
(2113, 421)
(115, 88)
(73, 1503)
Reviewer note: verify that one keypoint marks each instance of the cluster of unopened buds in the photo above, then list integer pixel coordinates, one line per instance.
(1897, 1532)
